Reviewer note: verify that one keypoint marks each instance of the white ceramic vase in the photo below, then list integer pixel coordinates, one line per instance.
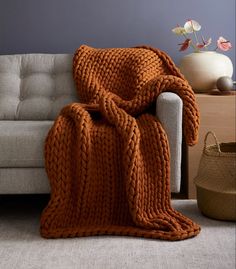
(202, 69)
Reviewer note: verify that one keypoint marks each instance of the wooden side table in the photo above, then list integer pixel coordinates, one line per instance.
(217, 114)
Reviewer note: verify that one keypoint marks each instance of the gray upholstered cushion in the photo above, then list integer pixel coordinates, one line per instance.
(35, 86)
(169, 111)
(23, 180)
(22, 143)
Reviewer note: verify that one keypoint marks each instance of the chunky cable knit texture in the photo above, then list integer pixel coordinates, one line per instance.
(107, 158)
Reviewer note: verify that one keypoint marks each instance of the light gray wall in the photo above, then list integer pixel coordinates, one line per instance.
(58, 26)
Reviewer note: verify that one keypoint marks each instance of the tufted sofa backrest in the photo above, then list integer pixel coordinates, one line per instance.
(35, 86)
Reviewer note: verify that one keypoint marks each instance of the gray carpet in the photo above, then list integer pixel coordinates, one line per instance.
(22, 247)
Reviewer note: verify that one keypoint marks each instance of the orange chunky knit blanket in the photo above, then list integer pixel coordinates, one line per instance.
(107, 158)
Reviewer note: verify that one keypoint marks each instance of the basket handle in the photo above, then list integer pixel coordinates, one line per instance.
(216, 141)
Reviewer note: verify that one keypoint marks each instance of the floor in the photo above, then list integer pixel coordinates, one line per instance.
(22, 247)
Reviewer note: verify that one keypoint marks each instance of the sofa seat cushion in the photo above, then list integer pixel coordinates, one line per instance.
(22, 143)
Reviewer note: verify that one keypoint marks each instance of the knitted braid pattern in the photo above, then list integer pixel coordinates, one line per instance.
(108, 160)
(136, 76)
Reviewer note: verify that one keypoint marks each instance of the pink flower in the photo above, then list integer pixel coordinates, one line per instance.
(223, 44)
(185, 44)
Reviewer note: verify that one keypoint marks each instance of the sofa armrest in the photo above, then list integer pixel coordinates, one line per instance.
(169, 110)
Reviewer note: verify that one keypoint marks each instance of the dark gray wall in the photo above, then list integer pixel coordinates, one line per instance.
(58, 26)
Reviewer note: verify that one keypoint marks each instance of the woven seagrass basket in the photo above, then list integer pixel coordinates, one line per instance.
(216, 180)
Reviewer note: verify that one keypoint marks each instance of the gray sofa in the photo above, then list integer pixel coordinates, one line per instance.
(33, 89)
